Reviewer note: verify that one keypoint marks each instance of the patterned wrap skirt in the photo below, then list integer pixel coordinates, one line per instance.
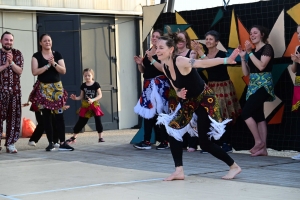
(184, 119)
(296, 96)
(89, 110)
(51, 96)
(258, 80)
(154, 98)
(226, 95)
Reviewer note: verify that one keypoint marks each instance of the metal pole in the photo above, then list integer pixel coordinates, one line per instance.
(171, 5)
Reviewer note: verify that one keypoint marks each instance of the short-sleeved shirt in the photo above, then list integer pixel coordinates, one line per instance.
(150, 71)
(266, 50)
(9, 80)
(51, 75)
(90, 91)
(218, 72)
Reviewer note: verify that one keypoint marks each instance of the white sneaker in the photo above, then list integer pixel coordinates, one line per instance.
(296, 157)
(32, 143)
(11, 149)
(56, 145)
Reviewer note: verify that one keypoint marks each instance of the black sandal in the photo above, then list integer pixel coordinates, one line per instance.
(101, 140)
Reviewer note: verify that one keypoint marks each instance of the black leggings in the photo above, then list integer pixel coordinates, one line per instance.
(82, 121)
(59, 122)
(254, 106)
(159, 130)
(203, 124)
(40, 129)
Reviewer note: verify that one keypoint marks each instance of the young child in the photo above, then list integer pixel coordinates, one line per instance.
(90, 95)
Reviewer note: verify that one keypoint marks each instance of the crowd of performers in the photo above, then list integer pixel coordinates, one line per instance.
(202, 110)
(183, 110)
(48, 97)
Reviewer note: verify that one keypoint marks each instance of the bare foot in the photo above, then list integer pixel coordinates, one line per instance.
(257, 147)
(191, 150)
(177, 175)
(233, 171)
(261, 152)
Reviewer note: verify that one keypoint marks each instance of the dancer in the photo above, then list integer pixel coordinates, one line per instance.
(184, 49)
(195, 98)
(48, 92)
(260, 88)
(11, 68)
(154, 98)
(219, 81)
(296, 97)
(90, 95)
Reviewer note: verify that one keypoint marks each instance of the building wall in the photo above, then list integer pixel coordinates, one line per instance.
(126, 72)
(21, 25)
(131, 7)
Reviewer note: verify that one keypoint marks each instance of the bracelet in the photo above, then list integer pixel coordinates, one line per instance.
(203, 56)
(250, 54)
(12, 63)
(225, 61)
(152, 62)
(47, 66)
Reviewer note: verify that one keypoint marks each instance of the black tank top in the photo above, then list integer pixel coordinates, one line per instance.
(192, 82)
(298, 65)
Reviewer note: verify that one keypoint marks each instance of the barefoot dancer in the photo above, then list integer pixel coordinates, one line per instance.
(260, 88)
(195, 97)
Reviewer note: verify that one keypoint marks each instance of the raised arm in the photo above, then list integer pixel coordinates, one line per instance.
(296, 59)
(186, 62)
(35, 67)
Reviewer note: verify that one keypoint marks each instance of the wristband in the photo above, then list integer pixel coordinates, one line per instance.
(203, 56)
(250, 54)
(47, 66)
(152, 62)
(225, 61)
(12, 63)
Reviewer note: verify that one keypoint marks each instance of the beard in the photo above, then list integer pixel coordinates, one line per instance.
(6, 48)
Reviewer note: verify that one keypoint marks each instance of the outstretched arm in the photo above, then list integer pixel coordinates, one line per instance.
(186, 62)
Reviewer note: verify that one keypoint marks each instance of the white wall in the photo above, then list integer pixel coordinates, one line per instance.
(126, 72)
(21, 25)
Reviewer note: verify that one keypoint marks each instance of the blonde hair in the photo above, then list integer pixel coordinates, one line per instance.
(89, 70)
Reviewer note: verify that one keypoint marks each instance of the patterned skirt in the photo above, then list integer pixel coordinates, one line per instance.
(226, 95)
(258, 80)
(90, 110)
(184, 119)
(296, 96)
(51, 96)
(154, 98)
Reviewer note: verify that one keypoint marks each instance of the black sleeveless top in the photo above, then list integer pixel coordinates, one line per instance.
(266, 50)
(218, 72)
(192, 82)
(298, 65)
(188, 53)
(150, 71)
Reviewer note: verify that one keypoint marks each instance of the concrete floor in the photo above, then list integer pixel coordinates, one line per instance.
(116, 170)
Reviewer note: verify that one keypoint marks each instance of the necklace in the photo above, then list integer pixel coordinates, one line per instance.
(180, 52)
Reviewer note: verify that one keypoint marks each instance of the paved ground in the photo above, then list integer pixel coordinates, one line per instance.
(115, 170)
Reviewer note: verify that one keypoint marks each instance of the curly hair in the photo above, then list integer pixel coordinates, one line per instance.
(171, 39)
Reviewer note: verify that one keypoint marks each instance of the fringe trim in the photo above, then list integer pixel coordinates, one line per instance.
(156, 101)
(217, 129)
(165, 119)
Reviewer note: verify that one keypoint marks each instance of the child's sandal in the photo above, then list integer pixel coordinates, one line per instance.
(101, 140)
